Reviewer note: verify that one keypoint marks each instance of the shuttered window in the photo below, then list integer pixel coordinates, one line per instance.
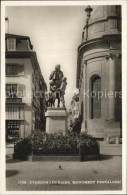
(15, 90)
(11, 90)
(11, 70)
(14, 69)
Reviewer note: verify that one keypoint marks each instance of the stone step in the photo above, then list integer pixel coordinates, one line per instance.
(110, 149)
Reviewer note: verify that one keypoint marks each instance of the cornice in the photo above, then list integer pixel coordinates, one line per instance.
(103, 39)
(110, 53)
(102, 20)
(18, 54)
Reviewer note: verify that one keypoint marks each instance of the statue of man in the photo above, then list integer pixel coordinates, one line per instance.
(56, 76)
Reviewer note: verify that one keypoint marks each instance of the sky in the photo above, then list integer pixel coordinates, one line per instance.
(55, 32)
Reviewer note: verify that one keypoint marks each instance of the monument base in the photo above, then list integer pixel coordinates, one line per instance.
(56, 120)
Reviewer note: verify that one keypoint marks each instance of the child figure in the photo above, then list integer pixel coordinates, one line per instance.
(62, 90)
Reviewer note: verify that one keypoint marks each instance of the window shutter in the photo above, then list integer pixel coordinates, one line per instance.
(21, 90)
(21, 69)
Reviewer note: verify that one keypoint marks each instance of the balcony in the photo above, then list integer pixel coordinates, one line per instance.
(14, 100)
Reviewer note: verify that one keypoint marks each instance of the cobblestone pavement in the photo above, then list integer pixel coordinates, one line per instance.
(46, 176)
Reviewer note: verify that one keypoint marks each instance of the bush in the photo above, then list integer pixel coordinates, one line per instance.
(70, 144)
(88, 144)
(57, 144)
(54, 144)
(23, 146)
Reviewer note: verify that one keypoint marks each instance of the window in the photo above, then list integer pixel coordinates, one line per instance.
(15, 91)
(95, 100)
(11, 90)
(14, 69)
(11, 70)
(11, 44)
(14, 112)
(12, 128)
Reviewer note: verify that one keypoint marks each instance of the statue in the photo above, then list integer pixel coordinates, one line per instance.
(57, 87)
(56, 76)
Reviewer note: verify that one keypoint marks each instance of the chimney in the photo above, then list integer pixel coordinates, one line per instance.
(6, 25)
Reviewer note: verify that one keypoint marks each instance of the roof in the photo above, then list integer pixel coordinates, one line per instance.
(16, 36)
(21, 37)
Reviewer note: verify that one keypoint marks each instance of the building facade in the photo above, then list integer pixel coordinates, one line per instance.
(25, 88)
(99, 72)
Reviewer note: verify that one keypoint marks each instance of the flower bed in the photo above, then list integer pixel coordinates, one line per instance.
(57, 145)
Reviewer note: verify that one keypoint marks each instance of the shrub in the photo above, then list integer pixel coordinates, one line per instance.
(88, 144)
(57, 144)
(54, 144)
(23, 146)
(70, 144)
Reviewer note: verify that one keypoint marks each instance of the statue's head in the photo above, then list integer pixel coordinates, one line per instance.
(57, 67)
(64, 79)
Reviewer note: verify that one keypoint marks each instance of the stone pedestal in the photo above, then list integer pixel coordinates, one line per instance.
(56, 121)
(110, 149)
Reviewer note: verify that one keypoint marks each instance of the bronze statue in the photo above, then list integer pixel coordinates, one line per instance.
(57, 87)
(56, 76)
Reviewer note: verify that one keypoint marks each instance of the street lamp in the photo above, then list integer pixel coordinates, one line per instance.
(88, 10)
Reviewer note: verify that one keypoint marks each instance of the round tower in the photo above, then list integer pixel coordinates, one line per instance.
(99, 71)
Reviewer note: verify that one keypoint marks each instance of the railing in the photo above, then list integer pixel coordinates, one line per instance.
(13, 100)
